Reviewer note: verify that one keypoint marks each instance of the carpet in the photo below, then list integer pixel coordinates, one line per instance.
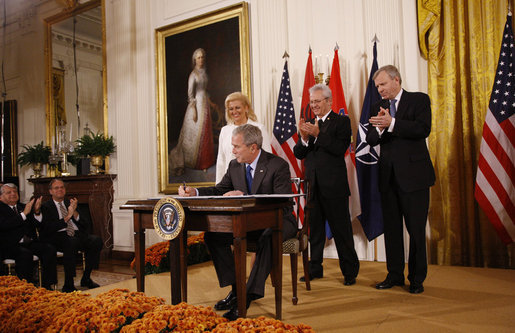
(100, 277)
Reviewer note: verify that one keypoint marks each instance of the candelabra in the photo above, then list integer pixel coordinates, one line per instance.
(322, 64)
(64, 147)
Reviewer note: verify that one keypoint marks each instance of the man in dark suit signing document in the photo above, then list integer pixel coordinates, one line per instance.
(400, 124)
(253, 171)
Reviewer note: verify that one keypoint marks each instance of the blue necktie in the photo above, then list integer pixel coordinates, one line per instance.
(392, 107)
(248, 175)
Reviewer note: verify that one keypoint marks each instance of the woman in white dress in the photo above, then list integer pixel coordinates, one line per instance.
(238, 111)
(195, 148)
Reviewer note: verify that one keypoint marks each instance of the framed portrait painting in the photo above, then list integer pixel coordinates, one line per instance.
(199, 62)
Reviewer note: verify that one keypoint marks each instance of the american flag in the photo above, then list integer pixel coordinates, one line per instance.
(495, 180)
(285, 131)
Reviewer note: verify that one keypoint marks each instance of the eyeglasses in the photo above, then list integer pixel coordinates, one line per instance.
(317, 101)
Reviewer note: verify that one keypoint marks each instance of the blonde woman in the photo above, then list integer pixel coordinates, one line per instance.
(238, 111)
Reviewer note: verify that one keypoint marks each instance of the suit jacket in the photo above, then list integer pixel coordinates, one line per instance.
(13, 227)
(272, 176)
(404, 150)
(324, 158)
(51, 223)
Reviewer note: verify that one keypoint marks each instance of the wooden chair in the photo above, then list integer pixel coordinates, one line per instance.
(295, 246)
(299, 244)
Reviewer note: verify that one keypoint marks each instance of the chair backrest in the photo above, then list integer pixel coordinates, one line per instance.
(301, 186)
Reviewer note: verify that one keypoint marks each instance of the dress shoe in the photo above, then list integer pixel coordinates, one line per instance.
(416, 288)
(68, 289)
(233, 313)
(226, 303)
(349, 281)
(88, 283)
(312, 276)
(387, 284)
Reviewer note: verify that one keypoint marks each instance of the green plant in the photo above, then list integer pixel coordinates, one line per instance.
(34, 154)
(95, 145)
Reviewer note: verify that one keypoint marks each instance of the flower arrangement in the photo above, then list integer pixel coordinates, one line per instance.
(181, 318)
(157, 256)
(260, 324)
(108, 312)
(25, 308)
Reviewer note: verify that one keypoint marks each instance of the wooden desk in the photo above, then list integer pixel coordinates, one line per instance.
(97, 192)
(234, 215)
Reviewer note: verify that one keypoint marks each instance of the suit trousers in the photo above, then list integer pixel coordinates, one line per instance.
(47, 256)
(336, 212)
(219, 245)
(413, 206)
(90, 244)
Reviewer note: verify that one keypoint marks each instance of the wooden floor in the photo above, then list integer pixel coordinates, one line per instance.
(456, 299)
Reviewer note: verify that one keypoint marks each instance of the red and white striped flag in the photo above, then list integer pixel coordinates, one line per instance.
(340, 107)
(495, 180)
(285, 132)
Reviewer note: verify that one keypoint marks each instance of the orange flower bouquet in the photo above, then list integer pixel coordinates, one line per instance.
(179, 318)
(107, 312)
(157, 256)
(25, 308)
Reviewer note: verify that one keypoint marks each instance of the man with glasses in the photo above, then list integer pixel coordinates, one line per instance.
(68, 230)
(324, 141)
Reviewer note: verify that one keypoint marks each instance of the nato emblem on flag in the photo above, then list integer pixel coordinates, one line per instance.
(367, 167)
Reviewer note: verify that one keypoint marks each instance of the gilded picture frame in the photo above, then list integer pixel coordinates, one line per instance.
(199, 61)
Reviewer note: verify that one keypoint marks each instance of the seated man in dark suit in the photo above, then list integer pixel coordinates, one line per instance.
(19, 239)
(254, 171)
(68, 231)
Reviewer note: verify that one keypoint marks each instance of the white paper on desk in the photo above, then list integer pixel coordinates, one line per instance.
(266, 196)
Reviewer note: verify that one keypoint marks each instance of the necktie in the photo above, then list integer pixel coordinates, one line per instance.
(392, 107)
(15, 209)
(248, 175)
(69, 226)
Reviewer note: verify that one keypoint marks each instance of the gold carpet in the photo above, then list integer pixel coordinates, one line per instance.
(456, 299)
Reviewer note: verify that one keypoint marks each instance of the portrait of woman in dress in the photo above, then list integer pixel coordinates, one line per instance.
(238, 111)
(195, 147)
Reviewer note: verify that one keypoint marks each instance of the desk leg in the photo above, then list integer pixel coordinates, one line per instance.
(240, 265)
(175, 270)
(139, 252)
(184, 265)
(277, 271)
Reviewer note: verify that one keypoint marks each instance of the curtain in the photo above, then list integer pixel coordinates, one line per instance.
(461, 40)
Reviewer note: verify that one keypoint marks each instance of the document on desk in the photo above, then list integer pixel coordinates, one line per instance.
(258, 196)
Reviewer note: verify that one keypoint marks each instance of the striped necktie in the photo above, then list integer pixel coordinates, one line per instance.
(70, 231)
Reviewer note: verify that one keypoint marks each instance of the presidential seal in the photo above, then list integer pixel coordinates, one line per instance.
(168, 218)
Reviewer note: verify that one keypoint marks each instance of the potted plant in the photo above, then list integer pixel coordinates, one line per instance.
(96, 147)
(36, 156)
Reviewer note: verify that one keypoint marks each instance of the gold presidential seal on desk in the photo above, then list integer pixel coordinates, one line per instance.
(168, 218)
